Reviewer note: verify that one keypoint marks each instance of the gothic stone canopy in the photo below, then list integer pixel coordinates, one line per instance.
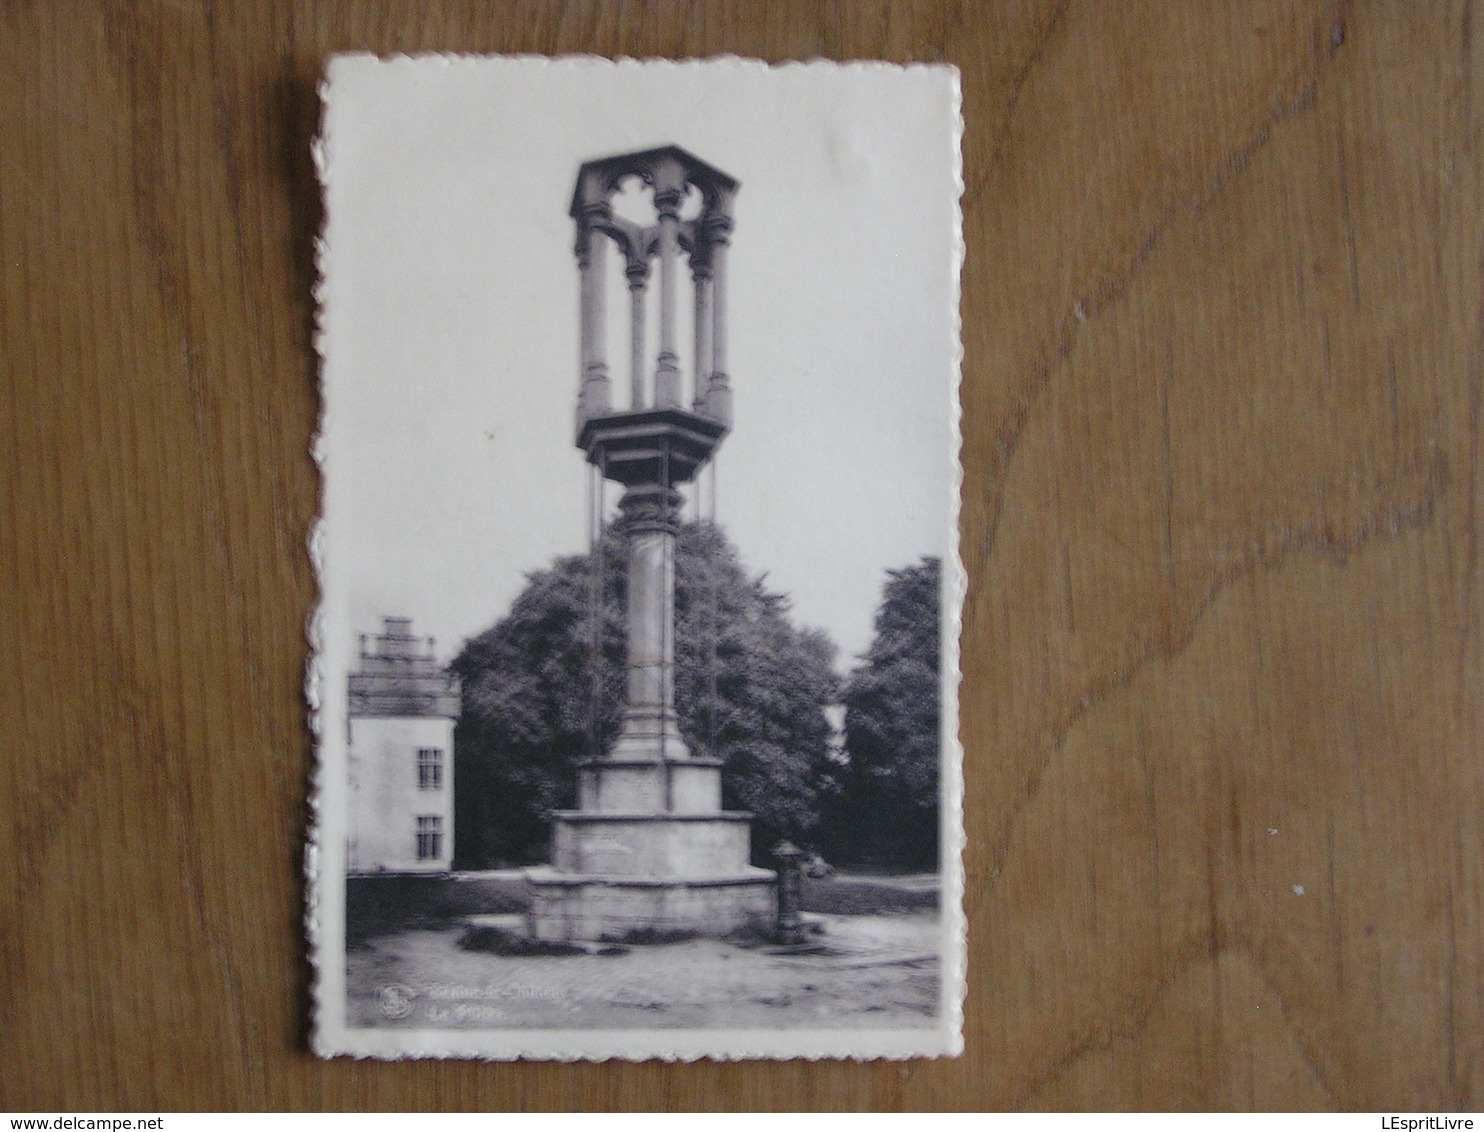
(658, 382)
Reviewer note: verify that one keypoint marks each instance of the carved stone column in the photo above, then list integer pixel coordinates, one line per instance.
(717, 403)
(701, 273)
(650, 730)
(667, 373)
(594, 397)
(637, 272)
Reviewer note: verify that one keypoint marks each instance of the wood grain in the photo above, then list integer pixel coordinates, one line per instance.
(1224, 333)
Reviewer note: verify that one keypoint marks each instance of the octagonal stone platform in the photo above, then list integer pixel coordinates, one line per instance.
(595, 906)
(650, 851)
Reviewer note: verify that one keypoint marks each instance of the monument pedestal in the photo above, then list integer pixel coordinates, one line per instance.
(649, 851)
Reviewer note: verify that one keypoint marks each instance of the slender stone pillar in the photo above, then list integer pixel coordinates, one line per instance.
(667, 373)
(594, 396)
(638, 276)
(701, 272)
(718, 400)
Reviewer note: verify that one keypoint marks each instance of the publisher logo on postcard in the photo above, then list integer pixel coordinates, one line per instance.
(394, 1001)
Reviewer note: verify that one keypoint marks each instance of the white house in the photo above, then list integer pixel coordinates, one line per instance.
(403, 705)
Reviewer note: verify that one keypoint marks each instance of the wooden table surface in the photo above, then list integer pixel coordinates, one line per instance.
(1223, 378)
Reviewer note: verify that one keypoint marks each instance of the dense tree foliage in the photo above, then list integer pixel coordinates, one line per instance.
(882, 805)
(533, 706)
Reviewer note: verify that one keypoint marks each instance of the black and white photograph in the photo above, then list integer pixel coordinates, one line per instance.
(635, 667)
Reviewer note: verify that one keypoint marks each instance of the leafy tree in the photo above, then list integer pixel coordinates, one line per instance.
(525, 718)
(533, 707)
(882, 806)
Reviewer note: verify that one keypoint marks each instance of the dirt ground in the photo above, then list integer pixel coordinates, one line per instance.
(860, 971)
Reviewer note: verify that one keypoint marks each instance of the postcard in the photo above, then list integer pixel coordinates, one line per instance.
(635, 669)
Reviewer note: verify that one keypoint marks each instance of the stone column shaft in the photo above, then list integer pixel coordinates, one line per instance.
(718, 396)
(718, 307)
(667, 372)
(638, 276)
(650, 621)
(650, 730)
(703, 334)
(592, 259)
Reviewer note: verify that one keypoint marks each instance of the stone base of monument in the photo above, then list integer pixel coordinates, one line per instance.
(650, 854)
(597, 906)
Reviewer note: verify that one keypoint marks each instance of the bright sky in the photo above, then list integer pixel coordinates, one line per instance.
(450, 326)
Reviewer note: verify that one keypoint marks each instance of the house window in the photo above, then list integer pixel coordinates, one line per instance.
(429, 768)
(429, 837)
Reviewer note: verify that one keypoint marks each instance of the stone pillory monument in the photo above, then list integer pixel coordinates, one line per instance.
(649, 846)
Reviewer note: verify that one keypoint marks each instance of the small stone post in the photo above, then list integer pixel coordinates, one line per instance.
(790, 860)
